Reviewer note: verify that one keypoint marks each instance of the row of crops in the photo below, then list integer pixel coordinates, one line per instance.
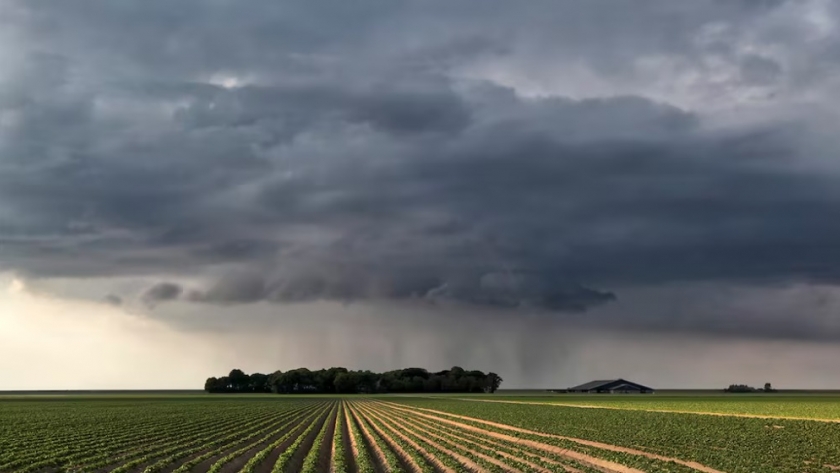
(274, 435)
(731, 444)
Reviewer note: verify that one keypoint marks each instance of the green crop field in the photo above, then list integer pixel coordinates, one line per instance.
(810, 406)
(271, 433)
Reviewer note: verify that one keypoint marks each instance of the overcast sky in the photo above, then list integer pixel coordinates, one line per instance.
(554, 190)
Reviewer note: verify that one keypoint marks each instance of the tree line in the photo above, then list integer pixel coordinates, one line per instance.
(743, 388)
(344, 381)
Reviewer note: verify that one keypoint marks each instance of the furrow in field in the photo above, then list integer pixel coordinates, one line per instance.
(149, 451)
(377, 455)
(547, 459)
(440, 457)
(436, 462)
(528, 458)
(492, 457)
(409, 463)
(346, 443)
(337, 457)
(574, 455)
(157, 463)
(535, 459)
(320, 454)
(91, 461)
(265, 459)
(73, 456)
(467, 462)
(456, 443)
(205, 455)
(603, 446)
(241, 457)
(213, 457)
(158, 460)
(291, 460)
(70, 444)
(362, 461)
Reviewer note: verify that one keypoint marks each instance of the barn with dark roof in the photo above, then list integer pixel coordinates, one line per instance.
(611, 386)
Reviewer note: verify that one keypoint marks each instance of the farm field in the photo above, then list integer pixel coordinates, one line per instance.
(270, 433)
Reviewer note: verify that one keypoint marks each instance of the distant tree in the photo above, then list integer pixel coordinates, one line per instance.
(493, 382)
(274, 381)
(325, 379)
(768, 388)
(238, 381)
(211, 385)
(345, 383)
(258, 383)
(740, 388)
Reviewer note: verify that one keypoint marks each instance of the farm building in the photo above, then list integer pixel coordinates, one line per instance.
(611, 386)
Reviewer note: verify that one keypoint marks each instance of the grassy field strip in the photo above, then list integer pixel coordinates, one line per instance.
(319, 457)
(583, 458)
(160, 459)
(291, 459)
(452, 459)
(599, 445)
(643, 409)
(506, 450)
(381, 454)
(364, 464)
(65, 461)
(237, 458)
(185, 461)
(624, 459)
(412, 461)
(278, 446)
(484, 462)
(71, 451)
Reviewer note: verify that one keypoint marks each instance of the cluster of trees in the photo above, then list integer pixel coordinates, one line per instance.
(238, 382)
(344, 381)
(743, 388)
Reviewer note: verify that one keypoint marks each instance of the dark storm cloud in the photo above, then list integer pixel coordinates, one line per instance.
(500, 290)
(295, 153)
(162, 292)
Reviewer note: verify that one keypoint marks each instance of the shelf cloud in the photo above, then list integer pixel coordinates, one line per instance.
(431, 154)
